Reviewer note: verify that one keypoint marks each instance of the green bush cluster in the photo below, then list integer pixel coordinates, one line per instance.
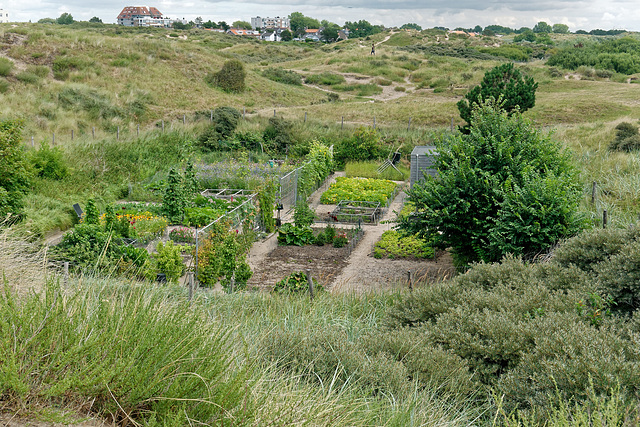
(296, 283)
(218, 135)
(365, 144)
(281, 75)
(627, 138)
(15, 176)
(230, 78)
(326, 78)
(49, 162)
(614, 54)
(393, 244)
(6, 66)
(504, 188)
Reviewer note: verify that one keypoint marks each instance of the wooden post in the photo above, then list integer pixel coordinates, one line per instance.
(118, 133)
(65, 279)
(409, 125)
(310, 281)
(72, 134)
(409, 278)
(305, 117)
(163, 126)
(244, 111)
(451, 124)
(138, 129)
(93, 132)
(184, 119)
(53, 142)
(593, 192)
(211, 117)
(190, 286)
(31, 142)
(374, 122)
(233, 279)
(604, 218)
(342, 125)
(274, 112)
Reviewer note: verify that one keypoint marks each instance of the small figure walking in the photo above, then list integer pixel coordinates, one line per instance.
(373, 48)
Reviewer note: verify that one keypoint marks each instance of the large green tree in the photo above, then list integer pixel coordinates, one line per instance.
(505, 82)
(361, 28)
(299, 23)
(506, 187)
(65, 19)
(14, 171)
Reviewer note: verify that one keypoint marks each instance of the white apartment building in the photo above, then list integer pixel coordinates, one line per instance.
(269, 23)
(4, 16)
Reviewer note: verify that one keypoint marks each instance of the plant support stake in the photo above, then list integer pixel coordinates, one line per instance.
(604, 218)
(310, 281)
(593, 192)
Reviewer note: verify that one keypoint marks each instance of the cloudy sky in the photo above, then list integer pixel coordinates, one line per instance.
(577, 14)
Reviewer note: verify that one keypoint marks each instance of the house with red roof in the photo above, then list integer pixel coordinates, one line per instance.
(142, 16)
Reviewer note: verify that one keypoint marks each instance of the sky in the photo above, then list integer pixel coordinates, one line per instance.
(577, 14)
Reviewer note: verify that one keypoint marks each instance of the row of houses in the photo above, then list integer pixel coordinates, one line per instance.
(4, 16)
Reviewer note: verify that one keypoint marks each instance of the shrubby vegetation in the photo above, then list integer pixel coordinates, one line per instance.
(504, 188)
(230, 78)
(619, 55)
(627, 138)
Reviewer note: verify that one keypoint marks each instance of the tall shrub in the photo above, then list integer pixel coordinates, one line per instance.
(230, 78)
(14, 173)
(504, 188)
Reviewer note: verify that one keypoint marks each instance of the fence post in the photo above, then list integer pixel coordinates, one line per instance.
(163, 126)
(93, 132)
(231, 283)
(138, 130)
(190, 286)
(451, 124)
(65, 279)
(211, 117)
(342, 124)
(305, 117)
(604, 218)
(274, 112)
(184, 119)
(409, 125)
(53, 142)
(593, 192)
(310, 282)
(409, 278)
(72, 134)
(374, 122)
(31, 142)
(118, 134)
(244, 111)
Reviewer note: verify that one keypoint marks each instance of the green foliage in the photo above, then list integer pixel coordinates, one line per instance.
(82, 98)
(216, 136)
(365, 144)
(303, 215)
(110, 218)
(295, 283)
(326, 78)
(290, 234)
(392, 244)
(6, 65)
(411, 26)
(91, 214)
(329, 233)
(627, 138)
(118, 348)
(88, 246)
(505, 83)
(619, 277)
(504, 188)
(341, 240)
(199, 217)
(182, 235)
(283, 76)
(359, 189)
(230, 78)
(595, 308)
(362, 28)
(299, 23)
(173, 199)
(267, 201)
(14, 173)
(48, 163)
(615, 54)
(318, 166)
(512, 51)
(65, 19)
(168, 260)
(278, 134)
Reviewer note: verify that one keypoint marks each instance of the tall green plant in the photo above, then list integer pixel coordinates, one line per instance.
(517, 92)
(267, 200)
(14, 173)
(504, 188)
(173, 200)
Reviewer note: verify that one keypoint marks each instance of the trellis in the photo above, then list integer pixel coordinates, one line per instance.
(357, 212)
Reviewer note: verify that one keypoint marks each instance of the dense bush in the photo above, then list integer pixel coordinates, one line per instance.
(49, 162)
(504, 188)
(290, 234)
(82, 98)
(230, 78)
(327, 78)
(627, 138)
(168, 261)
(281, 75)
(394, 245)
(14, 173)
(615, 54)
(504, 82)
(6, 65)
(295, 283)
(365, 144)
(217, 136)
(278, 134)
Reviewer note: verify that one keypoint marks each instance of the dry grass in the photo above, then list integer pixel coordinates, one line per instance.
(23, 265)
